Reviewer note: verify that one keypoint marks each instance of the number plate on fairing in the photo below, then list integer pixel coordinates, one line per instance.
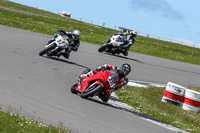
(111, 81)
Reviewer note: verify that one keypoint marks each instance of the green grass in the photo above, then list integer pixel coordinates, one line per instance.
(91, 33)
(12, 123)
(167, 50)
(148, 101)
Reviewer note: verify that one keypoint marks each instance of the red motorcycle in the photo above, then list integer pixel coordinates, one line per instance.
(96, 84)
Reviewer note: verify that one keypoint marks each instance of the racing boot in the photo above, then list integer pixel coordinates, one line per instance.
(66, 55)
(105, 97)
(125, 53)
(59, 54)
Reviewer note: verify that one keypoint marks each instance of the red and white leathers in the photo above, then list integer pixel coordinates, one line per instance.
(122, 79)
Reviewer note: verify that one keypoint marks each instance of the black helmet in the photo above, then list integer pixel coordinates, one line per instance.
(125, 68)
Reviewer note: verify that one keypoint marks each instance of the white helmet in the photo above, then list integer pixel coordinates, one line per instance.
(76, 34)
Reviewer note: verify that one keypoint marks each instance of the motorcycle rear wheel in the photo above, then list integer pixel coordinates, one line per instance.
(102, 48)
(91, 92)
(47, 49)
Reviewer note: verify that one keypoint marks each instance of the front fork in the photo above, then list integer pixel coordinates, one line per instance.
(55, 51)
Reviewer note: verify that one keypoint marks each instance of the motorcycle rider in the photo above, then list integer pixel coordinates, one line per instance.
(74, 42)
(122, 73)
(129, 40)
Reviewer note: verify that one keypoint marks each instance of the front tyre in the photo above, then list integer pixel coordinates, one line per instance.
(73, 88)
(47, 49)
(91, 91)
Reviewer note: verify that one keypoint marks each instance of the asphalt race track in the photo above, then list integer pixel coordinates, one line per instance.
(39, 87)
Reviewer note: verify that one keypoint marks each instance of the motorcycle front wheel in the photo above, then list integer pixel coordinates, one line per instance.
(91, 91)
(47, 49)
(73, 88)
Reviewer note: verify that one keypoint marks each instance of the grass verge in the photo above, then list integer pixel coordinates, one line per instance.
(12, 123)
(148, 101)
(29, 9)
(92, 34)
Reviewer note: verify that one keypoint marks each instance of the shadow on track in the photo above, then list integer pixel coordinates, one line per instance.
(124, 57)
(170, 68)
(65, 61)
(134, 112)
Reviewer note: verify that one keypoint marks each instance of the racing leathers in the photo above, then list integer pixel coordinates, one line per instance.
(73, 44)
(122, 80)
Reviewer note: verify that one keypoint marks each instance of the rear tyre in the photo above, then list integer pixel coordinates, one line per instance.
(47, 49)
(73, 88)
(113, 53)
(91, 91)
(102, 48)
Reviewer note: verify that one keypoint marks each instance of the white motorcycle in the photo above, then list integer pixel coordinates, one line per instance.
(59, 43)
(114, 46)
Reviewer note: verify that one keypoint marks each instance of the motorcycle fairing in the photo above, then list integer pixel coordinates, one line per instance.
(98, 78)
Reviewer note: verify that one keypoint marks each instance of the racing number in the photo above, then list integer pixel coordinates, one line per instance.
(111, 81)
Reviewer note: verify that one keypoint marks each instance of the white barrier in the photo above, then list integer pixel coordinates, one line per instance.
(185, 98)
(66, 14)
(173, 93)
(191, 100)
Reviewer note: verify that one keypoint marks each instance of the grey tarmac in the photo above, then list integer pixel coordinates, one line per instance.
(39, 87)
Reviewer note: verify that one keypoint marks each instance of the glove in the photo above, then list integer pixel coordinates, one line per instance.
(103, 68)
(62, 32)
(94, 71)
(82, 76)
(98, 68)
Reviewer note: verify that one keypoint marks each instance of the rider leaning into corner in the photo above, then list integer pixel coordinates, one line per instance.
(122, 73)
(129, 40)
(74, 42)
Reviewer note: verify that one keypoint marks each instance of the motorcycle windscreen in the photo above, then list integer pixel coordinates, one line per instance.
(115, 76)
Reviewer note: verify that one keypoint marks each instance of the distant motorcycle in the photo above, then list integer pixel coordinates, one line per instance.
(96, 84)
(59, 43)
(114, 46)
